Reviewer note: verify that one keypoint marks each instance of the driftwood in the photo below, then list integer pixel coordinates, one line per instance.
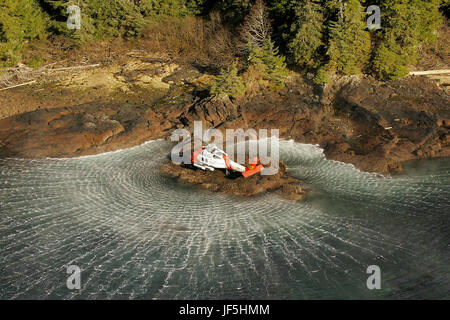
(430, 72)
(76, 67)
(18, 85)
(26, 75)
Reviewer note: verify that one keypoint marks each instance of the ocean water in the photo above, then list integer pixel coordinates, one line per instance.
(137, 234)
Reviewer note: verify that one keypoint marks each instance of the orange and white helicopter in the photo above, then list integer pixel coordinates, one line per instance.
(210, 157)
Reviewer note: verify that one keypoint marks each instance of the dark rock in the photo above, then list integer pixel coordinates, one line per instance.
(217, 181)
(373, 125)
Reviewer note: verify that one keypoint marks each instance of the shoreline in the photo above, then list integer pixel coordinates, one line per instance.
(376, 126)
(395, 174)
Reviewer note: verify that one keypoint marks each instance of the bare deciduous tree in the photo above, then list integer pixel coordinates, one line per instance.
(256, 27)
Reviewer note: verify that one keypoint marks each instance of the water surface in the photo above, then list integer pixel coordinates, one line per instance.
(137, 234)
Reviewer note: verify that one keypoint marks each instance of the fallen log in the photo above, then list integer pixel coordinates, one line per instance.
(76, 67)
(18, 85)
(429, 72)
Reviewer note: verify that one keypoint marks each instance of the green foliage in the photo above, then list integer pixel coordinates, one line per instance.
(308, 32)
(445, 7)
(114, 18)
(312, 33)
(170, 7)
(285, 20)
(232, 11)
(349, 45)
(99, 19)
(408, 24)
(228, 82)
(276, 66)
(256, 59)
(345, 42)
(322, 76)
(20, 21)
(391, 60)
(102, 19)
(267, 61)
(35, 62)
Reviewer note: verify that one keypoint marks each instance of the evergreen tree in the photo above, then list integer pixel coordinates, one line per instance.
(267, 61)
(20, 21)
(255, 59)
(349, 44)
(275, 63)
(323, 75)
(284, 16)
(228, 82)
(406, 24)
(170, 7)
(99, 18)
(445, 8)
(308, 32)
(232, 11)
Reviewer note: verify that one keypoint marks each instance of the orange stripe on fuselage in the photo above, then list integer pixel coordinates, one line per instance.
(227, 161)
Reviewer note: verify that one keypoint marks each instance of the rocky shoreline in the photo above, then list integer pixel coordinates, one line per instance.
(217, 181)
(374, 125)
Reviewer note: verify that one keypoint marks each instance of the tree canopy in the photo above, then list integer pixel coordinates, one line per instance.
(321, 36)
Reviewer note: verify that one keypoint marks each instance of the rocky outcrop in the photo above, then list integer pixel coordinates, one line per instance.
(236, 185)
(76, 131)
(391, 122)
(373, 125)
(214, 111)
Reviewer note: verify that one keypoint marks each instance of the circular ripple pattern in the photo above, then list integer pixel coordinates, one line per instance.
(138, 234)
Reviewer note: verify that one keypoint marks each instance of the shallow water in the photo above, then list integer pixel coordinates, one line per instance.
(137, 234)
